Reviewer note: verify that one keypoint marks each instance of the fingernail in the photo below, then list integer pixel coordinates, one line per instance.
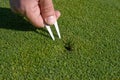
(50, 20)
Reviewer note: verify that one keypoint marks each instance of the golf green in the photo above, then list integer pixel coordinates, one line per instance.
(89, 48)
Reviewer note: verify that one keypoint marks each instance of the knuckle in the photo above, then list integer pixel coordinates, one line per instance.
(47, 11)
(47, 8)
(17, 7)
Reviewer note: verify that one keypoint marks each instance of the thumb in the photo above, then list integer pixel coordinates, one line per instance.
(47, 11)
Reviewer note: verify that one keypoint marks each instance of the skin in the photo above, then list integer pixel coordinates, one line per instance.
(38, 12)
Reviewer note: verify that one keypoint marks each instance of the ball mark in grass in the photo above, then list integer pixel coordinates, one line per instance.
(69, 46)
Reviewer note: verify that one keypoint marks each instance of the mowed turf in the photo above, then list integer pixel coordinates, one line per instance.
(89, 48)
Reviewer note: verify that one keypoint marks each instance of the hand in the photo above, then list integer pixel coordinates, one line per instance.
(38, 12)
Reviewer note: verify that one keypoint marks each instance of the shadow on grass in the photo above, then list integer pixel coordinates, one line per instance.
(9, 20)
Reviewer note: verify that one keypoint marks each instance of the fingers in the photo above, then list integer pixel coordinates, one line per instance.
(38, 12)
(47, 11)
(57, 14)
(36, 19)
(29, 9)
(34, 16)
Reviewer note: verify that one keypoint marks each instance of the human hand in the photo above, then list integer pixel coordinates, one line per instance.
(38, 12)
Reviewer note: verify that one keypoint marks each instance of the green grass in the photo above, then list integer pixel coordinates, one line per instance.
(89, 48)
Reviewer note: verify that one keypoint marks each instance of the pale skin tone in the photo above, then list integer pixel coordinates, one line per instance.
(38, 12)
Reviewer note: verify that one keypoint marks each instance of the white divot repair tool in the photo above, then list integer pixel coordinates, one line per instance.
(57, 30)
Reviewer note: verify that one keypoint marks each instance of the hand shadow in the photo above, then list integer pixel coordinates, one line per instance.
(9, 20)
